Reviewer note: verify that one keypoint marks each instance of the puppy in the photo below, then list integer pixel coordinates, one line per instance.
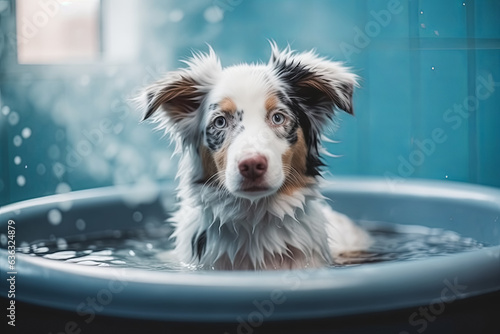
(249, 140)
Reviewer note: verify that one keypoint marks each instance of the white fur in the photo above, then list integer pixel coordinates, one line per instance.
(268, 229)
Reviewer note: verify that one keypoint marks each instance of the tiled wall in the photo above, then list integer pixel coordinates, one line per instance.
(426, 108)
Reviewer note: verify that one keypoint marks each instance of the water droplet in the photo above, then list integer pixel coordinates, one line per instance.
(3, 239)
(61, 243)
(433, 68)
(137, 216)
(5, 110)
(54, 216)
(13, 118)
(40, 169)
(213, 14)
(446, 176)
(463, 3)
(422, 25)
(421, 12)
(17, 141)
(176, 15)
(63, 188)
(59, 169)
(17, 160)
(26, 133)
(21, 181)
(80, 224)
(65, 205)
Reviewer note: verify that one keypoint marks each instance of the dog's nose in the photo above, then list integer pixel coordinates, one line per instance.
(253, 167)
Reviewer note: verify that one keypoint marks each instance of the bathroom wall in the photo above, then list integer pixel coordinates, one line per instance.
(428, 105)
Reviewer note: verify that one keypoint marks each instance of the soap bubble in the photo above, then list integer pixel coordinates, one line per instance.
(3, 239)
(213, 14)
(40, 169)
(54, 216)
(17, 160)
(26, 133)
(21, 181)
(137, 216)
(13, 118)
(17, 141)
(59, 169)
(61, 243)
(5, 110)
(65, 205)
(80, 224)
(176, 15)
(63, 188)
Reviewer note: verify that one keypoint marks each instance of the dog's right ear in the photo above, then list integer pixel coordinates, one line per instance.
(175, 100)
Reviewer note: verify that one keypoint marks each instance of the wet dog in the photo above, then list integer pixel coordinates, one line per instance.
(249, 138)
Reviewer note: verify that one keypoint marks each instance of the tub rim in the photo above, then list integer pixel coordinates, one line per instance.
(183, 296)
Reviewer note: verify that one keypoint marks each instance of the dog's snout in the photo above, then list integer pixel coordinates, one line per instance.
(253, 167)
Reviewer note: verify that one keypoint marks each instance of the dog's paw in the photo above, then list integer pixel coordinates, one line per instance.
(345, 238)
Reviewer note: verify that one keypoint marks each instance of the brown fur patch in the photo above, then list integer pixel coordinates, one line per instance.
(294, 166)
(227, 105)
(319, 84)
(208, 163)
(271, 103)
(180, 97)
(220, 160)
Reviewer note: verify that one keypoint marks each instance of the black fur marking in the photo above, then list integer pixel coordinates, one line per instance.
(292, 133)
(199, 244)
(215, 137)
(311, 135)
(239, 115)
(312, 106)
(150, 111)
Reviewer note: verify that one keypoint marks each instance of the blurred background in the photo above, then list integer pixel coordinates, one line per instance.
(428, 106)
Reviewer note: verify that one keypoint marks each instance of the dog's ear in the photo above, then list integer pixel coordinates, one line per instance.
(318, 83)
(175, 100)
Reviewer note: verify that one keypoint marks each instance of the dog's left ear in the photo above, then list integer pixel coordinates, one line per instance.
(316, 82)
(176, 100)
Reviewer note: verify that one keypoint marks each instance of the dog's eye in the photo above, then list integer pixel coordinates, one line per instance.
(220, 122)
(278, 118)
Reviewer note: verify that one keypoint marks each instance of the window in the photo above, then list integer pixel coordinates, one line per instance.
(56, 31)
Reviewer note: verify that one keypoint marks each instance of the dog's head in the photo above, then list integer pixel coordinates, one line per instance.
(256, 128)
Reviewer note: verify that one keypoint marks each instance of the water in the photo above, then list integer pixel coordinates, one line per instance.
(146, 249)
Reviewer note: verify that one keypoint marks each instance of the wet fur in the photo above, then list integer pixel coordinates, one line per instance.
(292, 227)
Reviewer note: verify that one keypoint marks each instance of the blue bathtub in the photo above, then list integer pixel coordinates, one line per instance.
(453, 293)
